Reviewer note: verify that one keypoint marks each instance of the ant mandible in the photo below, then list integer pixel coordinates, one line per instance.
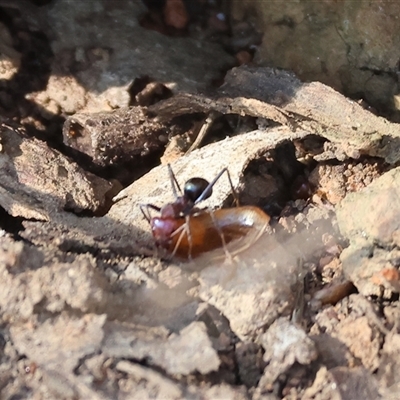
(187, 231)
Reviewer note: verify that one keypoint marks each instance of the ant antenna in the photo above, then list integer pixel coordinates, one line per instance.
(146, 213)
(174, 182)
(182, 230)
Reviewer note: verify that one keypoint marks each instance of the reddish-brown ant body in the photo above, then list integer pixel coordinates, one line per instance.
(187, 231)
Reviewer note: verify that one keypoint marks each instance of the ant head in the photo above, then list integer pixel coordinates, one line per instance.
(195, 187)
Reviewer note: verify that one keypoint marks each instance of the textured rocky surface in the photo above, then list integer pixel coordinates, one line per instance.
(351, 46)
(304, 308)
(96, 62)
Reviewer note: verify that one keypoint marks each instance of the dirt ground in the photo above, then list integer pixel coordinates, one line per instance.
(293, 294)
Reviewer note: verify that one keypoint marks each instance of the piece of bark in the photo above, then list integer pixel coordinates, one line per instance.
(332, 293)
(37, 181)
(286, 100)
(186, 103)
(320, 109)
(119, 136)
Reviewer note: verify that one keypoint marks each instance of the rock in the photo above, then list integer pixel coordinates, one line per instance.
(332, 352)
(101, 49)
(389, 363)
(29, 287)
(185, 353)
(251, 294)
(249, 359)
(343, 383)
(362, 340)
(61, 342)
(333, 43)
(367, 217)
(224, 392)
(10, 59)
(335, 181)
(374, 214)
(354, 331)
(285, 344)
(38, 181)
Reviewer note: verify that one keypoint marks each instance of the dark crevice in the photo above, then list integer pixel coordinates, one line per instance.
(12, 225)
(32, 76)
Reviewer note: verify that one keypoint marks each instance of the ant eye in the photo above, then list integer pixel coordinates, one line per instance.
(194, 188)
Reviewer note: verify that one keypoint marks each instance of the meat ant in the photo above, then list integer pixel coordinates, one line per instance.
(187, 231)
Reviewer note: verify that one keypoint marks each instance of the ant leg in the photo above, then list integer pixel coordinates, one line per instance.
(147, 213)
(300, 302)
(212, 183)
(254, 239)
(234, 194)
(174, 182)
(181, 230)
(189, 235)
(221, 234)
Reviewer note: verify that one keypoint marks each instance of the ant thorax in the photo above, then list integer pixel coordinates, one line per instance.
(179, 208)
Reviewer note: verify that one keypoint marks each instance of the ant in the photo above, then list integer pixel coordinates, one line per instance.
(187, 231)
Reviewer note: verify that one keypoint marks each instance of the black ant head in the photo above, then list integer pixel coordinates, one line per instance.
(195, 187)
